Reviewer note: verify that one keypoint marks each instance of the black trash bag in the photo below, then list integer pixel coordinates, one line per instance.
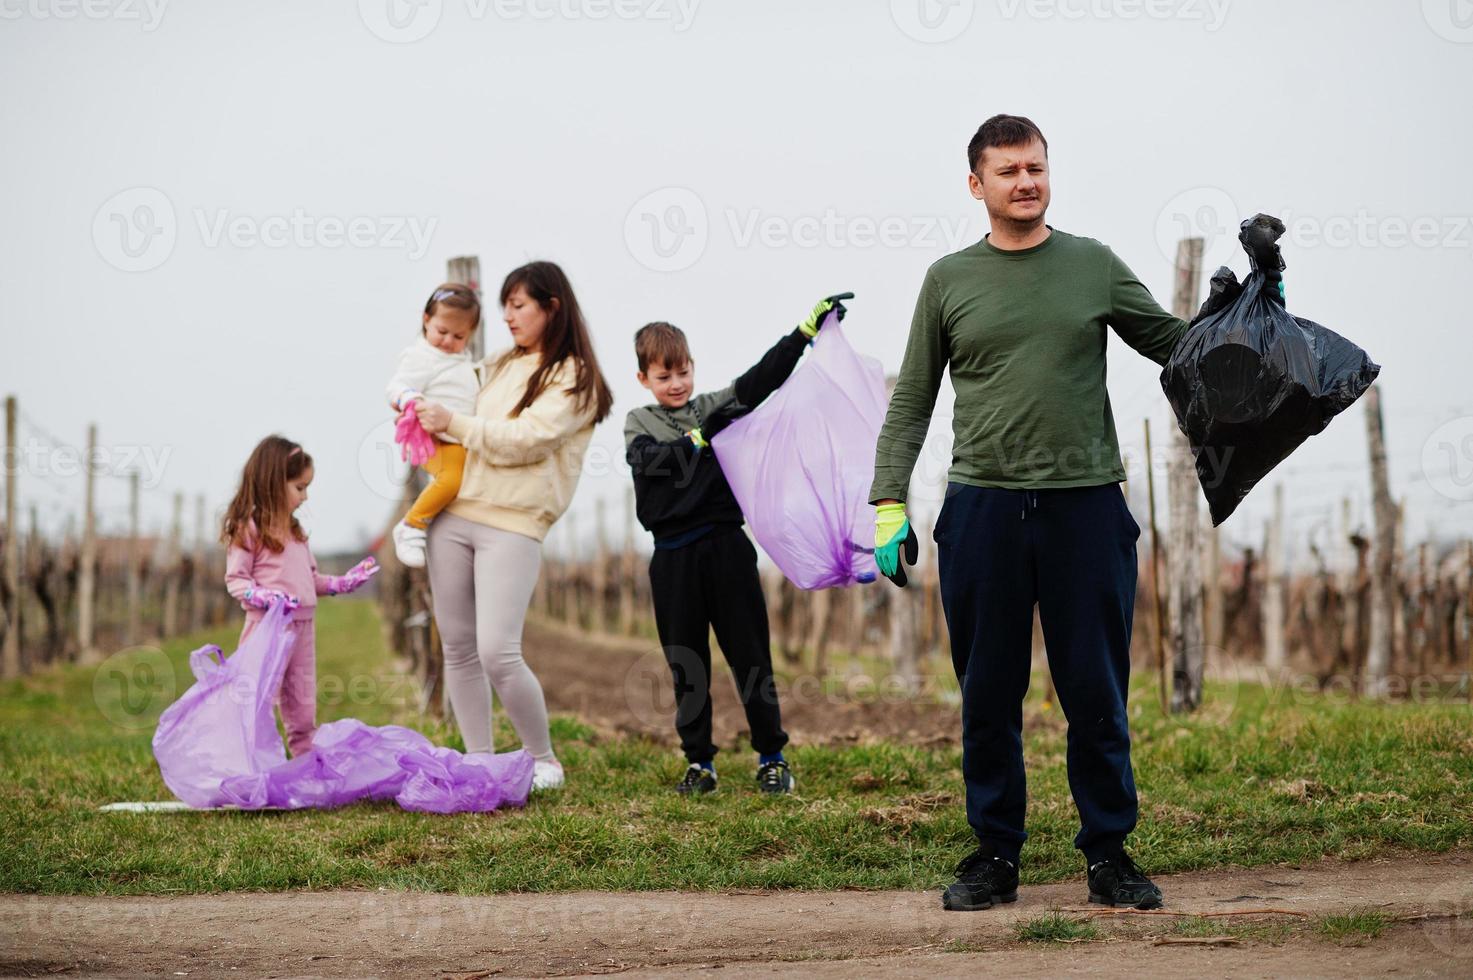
(1249, 381)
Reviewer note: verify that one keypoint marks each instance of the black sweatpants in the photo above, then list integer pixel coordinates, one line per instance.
(1071, 551)
(712, 583)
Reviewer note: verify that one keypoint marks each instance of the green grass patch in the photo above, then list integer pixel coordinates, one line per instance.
(1055, 927)
(1256, 777)
(1354, 928)
(1201, 927)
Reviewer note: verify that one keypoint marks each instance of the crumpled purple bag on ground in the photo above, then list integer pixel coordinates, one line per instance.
(218, 746)
(223, 725)
(801, 465)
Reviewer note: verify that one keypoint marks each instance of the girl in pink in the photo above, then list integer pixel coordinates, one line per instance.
(268, 561)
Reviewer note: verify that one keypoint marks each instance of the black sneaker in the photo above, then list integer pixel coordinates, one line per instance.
(1116, 880)
(697, 781)
(775, 778)
(982, 878)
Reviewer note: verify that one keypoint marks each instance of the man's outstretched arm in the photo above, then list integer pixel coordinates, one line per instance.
(1138, 318)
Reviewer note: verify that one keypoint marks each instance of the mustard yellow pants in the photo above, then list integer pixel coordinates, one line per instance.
(444, 469)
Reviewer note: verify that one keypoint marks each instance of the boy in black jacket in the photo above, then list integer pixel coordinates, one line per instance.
(704, 571)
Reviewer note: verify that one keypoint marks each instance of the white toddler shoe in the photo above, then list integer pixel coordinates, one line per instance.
(547, 775)
(409, 545)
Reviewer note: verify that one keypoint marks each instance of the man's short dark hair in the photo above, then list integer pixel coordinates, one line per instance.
(1003, 130)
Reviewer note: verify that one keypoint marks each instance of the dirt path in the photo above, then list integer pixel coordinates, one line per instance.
(623, 687)
(809, 934)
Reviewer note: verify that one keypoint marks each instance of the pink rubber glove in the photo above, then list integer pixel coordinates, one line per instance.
(264, 598)
(354, 579)
(415, 444)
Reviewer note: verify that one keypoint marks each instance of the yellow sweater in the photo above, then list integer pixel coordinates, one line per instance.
(520, 473)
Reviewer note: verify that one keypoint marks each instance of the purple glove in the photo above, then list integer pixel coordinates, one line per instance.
(354, 579)
(415, 444)
(264, 598)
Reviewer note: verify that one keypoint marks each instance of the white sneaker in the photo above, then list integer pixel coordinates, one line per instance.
(547, 775)
(409, 545)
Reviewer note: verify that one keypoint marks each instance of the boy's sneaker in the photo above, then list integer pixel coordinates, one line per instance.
(1116, 880)
(409, 545)
(547, 775)
(697, 781)
(775, 778)
(982, 878)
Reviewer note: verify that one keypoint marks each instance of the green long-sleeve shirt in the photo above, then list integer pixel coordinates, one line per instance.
(1023, 334)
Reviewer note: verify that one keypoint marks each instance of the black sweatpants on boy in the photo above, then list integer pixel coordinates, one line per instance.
(713, 583)
(1071, 551)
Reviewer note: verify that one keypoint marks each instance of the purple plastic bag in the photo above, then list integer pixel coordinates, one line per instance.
(802, 463)
(223, 725)
(218, 746)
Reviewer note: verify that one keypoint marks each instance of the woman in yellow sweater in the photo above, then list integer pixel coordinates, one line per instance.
(525, 444)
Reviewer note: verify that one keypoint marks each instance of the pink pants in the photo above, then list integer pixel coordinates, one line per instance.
(297, 699)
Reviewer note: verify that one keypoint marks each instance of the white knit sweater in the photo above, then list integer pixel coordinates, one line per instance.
(451, 380)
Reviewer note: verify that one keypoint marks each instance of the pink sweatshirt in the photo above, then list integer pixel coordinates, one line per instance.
(293, 570)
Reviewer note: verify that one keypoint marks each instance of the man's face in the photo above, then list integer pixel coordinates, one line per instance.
(1012, 181)
(670, 386)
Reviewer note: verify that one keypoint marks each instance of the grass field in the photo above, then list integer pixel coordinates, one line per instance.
(1254, 778)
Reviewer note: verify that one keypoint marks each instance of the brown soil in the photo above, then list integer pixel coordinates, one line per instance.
(624, 687)
(810, 934)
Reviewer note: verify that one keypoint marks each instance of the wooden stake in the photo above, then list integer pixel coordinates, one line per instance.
(1212, 602)
(600, 582)
(10, 662)
(627, 562)
(1274, 651)
(135, 580)
(1183, 556)
(197, 583)
(1165, 682)
(172, 569)
(466, 269)
(570, 574)
(87, 573)
(1383, 547)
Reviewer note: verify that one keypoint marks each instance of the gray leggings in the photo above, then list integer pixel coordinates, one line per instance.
(482, 579)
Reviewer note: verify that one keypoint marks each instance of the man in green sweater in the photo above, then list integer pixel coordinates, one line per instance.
(1033, 512)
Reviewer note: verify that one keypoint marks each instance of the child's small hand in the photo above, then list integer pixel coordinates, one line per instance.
(433, 417)
(357, 576)
(264, 598)
(828, 303)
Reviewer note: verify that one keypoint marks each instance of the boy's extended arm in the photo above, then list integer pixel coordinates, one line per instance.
(768, 374)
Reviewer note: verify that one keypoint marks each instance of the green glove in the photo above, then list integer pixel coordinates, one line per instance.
(810, 325)
(892, 534)
(697, 439)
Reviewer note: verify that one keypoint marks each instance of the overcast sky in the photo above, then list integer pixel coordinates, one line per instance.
(221, 221)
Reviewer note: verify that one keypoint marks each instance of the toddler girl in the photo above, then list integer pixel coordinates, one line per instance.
(437, 368)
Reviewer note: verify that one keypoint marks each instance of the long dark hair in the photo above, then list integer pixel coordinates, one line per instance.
(566, 336)
(261, 499)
